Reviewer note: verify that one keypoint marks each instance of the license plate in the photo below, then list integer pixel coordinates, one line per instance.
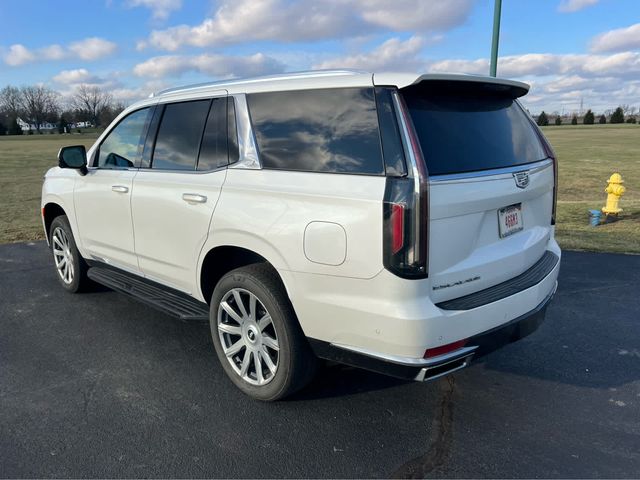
(510, 220)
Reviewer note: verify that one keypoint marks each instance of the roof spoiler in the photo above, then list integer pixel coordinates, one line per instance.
(510, 88)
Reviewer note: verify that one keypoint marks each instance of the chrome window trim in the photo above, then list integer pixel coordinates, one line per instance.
(248, 157)
(480, 176)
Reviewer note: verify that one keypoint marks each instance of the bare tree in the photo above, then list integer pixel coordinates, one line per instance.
(11, 101)
(39, 103)
(91, 101)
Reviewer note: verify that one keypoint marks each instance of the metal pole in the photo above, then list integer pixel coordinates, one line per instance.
(497, 8)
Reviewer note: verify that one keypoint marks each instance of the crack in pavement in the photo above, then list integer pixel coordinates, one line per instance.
(440, 440)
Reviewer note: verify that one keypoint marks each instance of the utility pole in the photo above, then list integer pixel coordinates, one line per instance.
(497, 8)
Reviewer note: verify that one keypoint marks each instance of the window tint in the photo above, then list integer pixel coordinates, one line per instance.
(123, 146)
(468, 127)
(179, 135)
(213, 153)
(234, 153)
(389, 134)
(330, 130)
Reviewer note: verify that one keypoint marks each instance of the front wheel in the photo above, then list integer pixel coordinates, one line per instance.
(71, 268)
(257, 336)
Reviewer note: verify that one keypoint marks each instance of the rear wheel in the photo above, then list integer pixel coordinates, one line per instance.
(256, 334)
(70, 267)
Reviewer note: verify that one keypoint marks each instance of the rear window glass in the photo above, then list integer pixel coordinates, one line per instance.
(464, 128)
(325, 130)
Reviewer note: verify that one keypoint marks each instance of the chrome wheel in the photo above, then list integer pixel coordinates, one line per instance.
(62, 255)
(248, 336)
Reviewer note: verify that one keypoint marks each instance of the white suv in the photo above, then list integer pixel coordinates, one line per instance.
(399, 223)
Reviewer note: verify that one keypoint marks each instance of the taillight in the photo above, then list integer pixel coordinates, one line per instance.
(548, 150)
(552, 155)
(405, 209)
(442, 349)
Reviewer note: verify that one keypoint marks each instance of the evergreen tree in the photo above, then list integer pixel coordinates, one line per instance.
(617, 116)
(62, 123)
(543, 120)
(602, 120)
(574, 120)
(631, 120)
(589, 118)
(14, 128)
(558, 120)
(3, 129)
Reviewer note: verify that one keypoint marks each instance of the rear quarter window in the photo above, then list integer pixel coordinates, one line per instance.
(465, 127)
(324, 130)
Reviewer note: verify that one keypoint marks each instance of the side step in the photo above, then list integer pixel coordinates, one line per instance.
(167, 300)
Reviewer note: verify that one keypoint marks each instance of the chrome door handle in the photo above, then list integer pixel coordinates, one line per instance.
(194, 198)
(119, 189)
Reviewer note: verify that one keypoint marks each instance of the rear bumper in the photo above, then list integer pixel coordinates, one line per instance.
(429, 369)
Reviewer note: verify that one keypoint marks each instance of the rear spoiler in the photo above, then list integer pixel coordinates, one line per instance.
(511, 88)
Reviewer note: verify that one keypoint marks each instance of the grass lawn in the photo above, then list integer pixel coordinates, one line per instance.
(23, 161)
(587, 156)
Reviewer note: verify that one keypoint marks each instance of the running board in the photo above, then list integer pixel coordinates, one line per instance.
(169, 301)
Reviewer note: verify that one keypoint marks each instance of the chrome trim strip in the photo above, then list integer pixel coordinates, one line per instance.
(247, 145)
(481, 175)
(411, 361)
(423, 375)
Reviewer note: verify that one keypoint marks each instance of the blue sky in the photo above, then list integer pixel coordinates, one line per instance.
(569, 50)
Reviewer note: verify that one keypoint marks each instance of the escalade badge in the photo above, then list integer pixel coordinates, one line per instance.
(522, 179)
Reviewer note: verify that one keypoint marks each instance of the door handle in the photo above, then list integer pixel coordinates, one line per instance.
(194, 198)
(119, 189)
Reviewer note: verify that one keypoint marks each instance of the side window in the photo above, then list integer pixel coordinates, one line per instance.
(234, 153)
(328, 130)
(179, 135)
(213, 152)
(122, 148)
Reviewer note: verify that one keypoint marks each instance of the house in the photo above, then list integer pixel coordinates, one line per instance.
(30, 126)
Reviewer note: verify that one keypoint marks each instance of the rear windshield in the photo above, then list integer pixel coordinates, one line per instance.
(466, 127)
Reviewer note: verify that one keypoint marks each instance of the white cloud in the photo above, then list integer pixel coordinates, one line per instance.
(92, 48)
(213, 65)
(616, 40)
(161, 9)
(570, 6)
(80, 75)
(394, 54)
(621, 65)
(88, 49)
(18, 55)
(237, 21)
(52, 52)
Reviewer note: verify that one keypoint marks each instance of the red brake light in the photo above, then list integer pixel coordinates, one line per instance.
(397, 227)
(442, 349)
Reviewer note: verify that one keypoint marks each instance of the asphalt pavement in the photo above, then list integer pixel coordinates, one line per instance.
(98, 385)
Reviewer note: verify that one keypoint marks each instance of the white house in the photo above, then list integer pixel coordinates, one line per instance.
(30, 126)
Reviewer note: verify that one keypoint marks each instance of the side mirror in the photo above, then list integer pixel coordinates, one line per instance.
(73, 157)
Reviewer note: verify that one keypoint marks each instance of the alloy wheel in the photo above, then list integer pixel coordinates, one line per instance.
(62, 255)
(248, 336)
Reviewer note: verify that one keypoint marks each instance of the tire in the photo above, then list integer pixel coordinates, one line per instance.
(251, 340)
(71, 269)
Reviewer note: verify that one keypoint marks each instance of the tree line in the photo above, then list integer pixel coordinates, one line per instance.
(621, 114)
(39, 104)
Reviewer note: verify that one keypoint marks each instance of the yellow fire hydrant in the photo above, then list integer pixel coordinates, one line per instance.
(615, 190)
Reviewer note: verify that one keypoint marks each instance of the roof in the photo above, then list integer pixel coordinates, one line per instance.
(328, 79)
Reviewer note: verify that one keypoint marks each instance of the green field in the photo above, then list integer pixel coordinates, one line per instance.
(587, 156)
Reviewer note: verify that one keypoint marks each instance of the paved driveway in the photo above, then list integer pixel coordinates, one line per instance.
(99, 385)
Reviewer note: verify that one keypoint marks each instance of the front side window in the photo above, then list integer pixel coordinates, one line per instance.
(324, 130)
(179, 135)
(122, 148)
